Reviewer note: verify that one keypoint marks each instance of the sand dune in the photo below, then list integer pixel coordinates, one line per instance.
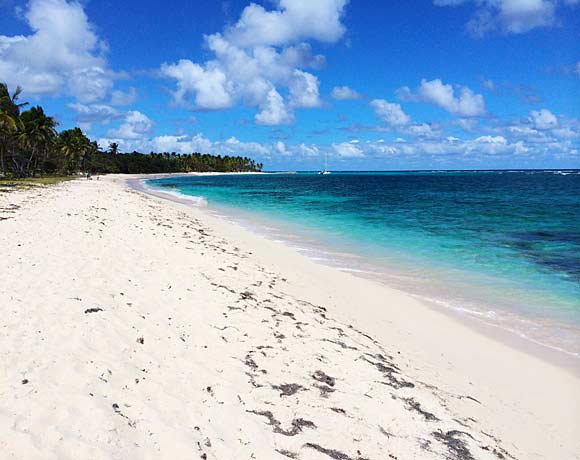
(136, 328)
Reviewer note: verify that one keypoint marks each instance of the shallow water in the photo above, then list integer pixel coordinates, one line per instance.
(502, 246)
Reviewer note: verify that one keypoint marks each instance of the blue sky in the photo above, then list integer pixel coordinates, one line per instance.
(372, 85)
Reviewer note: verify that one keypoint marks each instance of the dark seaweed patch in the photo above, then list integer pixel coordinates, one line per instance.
(456, 446)
(332, 453)
(415, 406)
(297, 424)
(321, 377)
(288, 389)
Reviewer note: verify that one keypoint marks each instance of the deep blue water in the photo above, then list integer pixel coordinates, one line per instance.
(504, 245)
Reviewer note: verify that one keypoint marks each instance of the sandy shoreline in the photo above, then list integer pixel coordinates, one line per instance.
(137, 328)
(503, 332)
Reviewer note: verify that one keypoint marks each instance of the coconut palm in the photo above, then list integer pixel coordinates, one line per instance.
(10, 122)
(114, 148)
(7, 128)
(74, 146)
(36, 138)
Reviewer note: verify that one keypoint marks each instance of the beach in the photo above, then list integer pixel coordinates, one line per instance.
(138, 327)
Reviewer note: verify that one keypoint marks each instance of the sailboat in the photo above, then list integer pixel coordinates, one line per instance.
(325, 170)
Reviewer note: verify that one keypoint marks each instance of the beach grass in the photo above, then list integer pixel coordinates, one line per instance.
(7, 185)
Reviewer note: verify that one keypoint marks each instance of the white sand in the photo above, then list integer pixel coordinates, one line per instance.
(202, 324)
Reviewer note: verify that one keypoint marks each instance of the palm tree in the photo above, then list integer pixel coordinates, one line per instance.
(10, 122)
(114, 148)
(74, 146)
(9, 102)
(37, 137)
(7, 127)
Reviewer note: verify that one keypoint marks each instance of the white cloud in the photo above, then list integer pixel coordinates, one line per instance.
(304, 90)
(208, 84)
(280, 147)
(542, 127)
(467, 124)
(260, 61)
(395, 119)
(348, 149)
(86, 115)
(392, 114)
(501, 145)
(189, 144)
(458, 100)
(478, 147)
(292, 22)
(136, 125)
(124, 98)
(234, 146)
(62, 55)
(181, 144)
(274, 111)
(307, 150)
(566, 133)
(522, 131)
(344, 93)
(509, 16)
(543, 119)
(422, 130)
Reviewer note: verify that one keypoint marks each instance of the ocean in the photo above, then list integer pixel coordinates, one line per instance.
(502, 247)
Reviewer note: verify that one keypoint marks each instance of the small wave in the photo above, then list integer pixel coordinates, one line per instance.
(503, 322)
(196, 200)
(199, 201)
(357, 270)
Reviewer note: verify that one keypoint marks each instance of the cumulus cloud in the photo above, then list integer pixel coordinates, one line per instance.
(119, 97)
(307, 150)
(467, 124)
(281, 148)
(62, 55)
(450, 148)
(304, 90)
(395, 119)
(509, 16)
(348, 149)
(136, 125)
(292, 22)
(181, 144)
(478, 147)
(274, 111)
(344, 93)
(456, 99)
(543, 119)
(541, 127)
(261, 61)
(208, 85)
(186, 144)
(506, 143)
(86, 115)
(392, 114)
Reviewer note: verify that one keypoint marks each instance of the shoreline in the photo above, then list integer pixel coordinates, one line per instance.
(569, 361)
(137, 327)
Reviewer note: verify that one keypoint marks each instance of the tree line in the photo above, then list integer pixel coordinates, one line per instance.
(30, 145)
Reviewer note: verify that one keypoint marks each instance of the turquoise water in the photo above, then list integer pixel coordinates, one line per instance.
(503, 246)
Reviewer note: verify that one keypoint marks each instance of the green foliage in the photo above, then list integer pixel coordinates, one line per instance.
(7, 185)
(139, 163)
(30, 146)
